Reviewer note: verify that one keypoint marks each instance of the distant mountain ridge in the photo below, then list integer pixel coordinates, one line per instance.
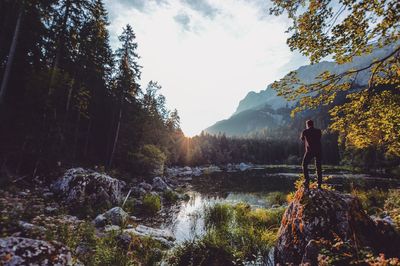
(265, 110)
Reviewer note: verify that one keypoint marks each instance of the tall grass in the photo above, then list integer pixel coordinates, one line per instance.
(236, 234)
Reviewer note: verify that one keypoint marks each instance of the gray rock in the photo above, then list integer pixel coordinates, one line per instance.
(80, 185)
(138, 191)
(100, 220)
(26, 251)
(50, 210)
(110, 228)
(29, 229)
(145, 186)
(165, 237)
(243, 166)
(159, 184)
(197, 171)
(114, 216)
(48, 195)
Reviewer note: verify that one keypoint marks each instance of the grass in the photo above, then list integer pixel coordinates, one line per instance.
(107, 249)
(235, 234)
(276, 198)
(218, 215)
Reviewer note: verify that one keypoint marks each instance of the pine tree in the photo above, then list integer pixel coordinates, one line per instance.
(127, 78)
(96, 65)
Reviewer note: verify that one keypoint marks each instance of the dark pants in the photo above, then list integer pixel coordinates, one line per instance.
(308, 156)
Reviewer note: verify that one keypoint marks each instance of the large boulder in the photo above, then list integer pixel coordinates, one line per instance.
(26, 251)
(81, 186)
(317, 217)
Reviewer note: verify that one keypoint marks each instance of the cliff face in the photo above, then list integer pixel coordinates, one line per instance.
(319, 219)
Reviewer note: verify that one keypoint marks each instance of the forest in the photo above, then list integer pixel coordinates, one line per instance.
(68, 99)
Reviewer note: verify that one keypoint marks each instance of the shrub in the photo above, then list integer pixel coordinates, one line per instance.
(276, 197)
(129, 205)
(149, 160)
(151, 204)
(170, 196)
(392, 206)
(371, 200)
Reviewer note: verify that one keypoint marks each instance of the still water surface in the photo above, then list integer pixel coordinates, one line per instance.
(251, 187)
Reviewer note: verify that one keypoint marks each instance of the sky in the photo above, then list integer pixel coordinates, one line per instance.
(206, 54)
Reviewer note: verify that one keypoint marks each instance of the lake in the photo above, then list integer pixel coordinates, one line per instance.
(253, 187)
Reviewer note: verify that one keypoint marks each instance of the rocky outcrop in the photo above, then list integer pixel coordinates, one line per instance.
(81, 186)
(26, 251)
(317, 217)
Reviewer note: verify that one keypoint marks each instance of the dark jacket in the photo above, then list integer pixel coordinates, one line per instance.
(312, 139)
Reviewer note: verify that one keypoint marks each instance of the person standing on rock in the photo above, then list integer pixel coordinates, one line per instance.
(312, 142)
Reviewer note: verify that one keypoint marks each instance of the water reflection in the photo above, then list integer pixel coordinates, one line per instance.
(188, 223)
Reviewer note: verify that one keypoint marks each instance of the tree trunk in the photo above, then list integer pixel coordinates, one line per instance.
(75, 145)
(11, 54)
(85, 152)
(115, 138)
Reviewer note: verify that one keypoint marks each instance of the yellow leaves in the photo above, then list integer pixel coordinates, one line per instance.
(369, 120)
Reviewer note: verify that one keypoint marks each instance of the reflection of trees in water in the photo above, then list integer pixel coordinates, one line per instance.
(195, 223)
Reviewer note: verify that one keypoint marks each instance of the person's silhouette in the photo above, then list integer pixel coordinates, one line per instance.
(312, 142)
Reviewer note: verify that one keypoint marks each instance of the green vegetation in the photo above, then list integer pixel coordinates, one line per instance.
(151, 204)
(372, 200)
(392, 206)
(235, 235)
(79, 102)
(170, 196)
(129, 206)
(364, 26)
(109, 249)
(149, 160)
(277, 198)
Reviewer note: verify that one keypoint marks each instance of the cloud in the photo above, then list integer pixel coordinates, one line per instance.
(203, 7)
(206, 66)
(184, 20)
(141, 5)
